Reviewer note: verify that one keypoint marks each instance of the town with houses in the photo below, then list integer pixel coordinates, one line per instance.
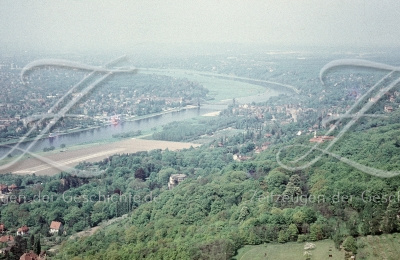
(119, 100)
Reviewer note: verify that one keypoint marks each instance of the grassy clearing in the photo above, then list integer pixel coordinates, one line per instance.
(222, 89)
(289, 251)
(379, 247)
(369, 248)
(228, 132)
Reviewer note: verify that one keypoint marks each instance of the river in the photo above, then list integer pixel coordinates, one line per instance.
(106, 132)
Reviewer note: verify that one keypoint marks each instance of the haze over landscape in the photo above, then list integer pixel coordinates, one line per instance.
(199, 130)
(123, 25)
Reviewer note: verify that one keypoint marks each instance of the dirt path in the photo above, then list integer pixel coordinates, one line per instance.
(93, 153)
(92, 230)
(89, 232)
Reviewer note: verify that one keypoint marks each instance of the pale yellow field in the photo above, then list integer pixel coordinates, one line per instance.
(93, 153)
(216, 113)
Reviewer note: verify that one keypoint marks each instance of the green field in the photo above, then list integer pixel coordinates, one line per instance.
(379, 247)
(228, 132)
(220, 89)
(292, 251)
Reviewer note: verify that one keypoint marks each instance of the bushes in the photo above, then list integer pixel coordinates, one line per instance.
(349, 244)
(47, 149)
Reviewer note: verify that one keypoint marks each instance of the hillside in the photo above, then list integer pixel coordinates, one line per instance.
(216, 212)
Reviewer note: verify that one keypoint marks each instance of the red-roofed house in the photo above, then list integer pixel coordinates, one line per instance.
(2, 228)
(9, 240)
(55, 227)
(5, 239)
(12, 187)
(3, 188)
(321, 139)
(32, 256)
(22, 231)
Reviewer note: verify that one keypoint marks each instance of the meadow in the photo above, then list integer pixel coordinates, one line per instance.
(291, 250)
(379, 247)
(220, 89)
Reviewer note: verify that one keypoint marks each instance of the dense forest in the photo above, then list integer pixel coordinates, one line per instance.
(220, 209)
(221, 206)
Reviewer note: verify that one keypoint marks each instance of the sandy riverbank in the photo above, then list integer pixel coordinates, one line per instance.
(216, 113)
(92, 153)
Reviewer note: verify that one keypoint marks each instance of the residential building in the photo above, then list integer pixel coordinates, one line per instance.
(56, 227)
(23, 230)
(175, 179)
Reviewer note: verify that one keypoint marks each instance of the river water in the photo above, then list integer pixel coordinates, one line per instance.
(106, 132)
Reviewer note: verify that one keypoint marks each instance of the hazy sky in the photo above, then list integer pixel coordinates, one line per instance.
(75, 24)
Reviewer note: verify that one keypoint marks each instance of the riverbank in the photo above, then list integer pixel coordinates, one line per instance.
(74, 130)
(89, 153)
(85, 144)
(161, 113)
